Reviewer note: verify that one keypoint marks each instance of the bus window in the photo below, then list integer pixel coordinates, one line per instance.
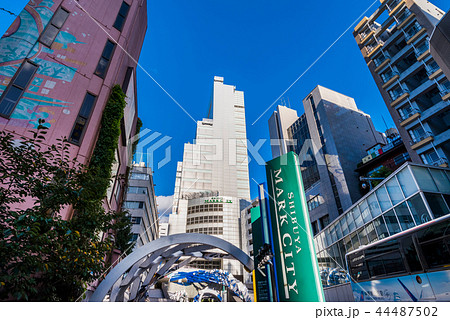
(434, 243)
(358, 270)
(412, 259)
(386, 264)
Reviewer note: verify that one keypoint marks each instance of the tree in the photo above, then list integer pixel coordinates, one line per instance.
(42, 256)
(383, 172)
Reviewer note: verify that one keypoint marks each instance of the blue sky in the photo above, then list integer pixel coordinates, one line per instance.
(261, 47)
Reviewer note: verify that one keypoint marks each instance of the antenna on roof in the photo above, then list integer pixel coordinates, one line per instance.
(384, 122)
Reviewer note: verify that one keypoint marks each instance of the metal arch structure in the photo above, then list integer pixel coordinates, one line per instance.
(129, 280)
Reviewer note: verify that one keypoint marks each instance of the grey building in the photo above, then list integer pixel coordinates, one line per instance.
(331, 137)
(394, 42)
(140, 201)
(440, 46)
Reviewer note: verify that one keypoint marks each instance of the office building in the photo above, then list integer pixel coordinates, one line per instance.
(440, 46)
(57, 64)
(246, 244)
(212, 182)
(412, 195)
(140, 202)
(394, 42)
(331, 138)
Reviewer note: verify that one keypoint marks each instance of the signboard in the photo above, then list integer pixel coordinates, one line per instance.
(218, 200)
(261, 285)
(297, 270)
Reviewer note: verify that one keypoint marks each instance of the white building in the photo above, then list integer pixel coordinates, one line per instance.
(212, 182)
(141, 204)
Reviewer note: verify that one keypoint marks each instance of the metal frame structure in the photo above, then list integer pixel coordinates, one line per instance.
(133, 276)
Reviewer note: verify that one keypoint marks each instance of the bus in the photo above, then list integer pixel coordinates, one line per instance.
(413, 265)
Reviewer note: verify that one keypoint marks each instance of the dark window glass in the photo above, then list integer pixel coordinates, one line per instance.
(437, 204)
(53, 27)
(437, 252)
(105, 59)
(358, 269)
(121, 16)
(18, 85)
(411, 256)
(82, 119)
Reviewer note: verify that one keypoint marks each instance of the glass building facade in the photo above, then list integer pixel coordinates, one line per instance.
(412, 195)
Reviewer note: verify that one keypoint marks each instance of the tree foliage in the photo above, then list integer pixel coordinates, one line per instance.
(42, 256)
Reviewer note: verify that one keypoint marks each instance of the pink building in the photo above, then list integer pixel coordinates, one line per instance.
(59, 61)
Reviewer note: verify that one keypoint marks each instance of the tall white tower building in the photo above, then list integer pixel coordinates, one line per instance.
(212, 181)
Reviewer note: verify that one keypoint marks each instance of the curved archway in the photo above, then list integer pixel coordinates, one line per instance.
(144, 266)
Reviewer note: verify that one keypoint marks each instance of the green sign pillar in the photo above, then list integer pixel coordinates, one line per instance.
(298, 277)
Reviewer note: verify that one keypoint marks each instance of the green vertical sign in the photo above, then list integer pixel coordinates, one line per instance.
(298, 277)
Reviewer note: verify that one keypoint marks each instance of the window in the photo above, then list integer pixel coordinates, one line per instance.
(412, 259)
(54, 26)
(133, 205)
(435, 244)
(139, 176)
(136, 220)
(418, 209)
(383, 198)
(105, 59)
(437, 205)
(134, 237)
(381, 228)
(121, 16)
(137, 190)
(391, 222)
(406, 221)
(11, 96)
(82, 119)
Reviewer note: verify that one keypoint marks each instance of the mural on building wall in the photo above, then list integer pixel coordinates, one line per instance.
(20, 42)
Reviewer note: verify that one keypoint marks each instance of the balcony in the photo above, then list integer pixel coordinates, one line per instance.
(364, 36)
(441, 162)
(396, 5)
(398, 96)
(444, 90)
(371, 49)
(409, 116)
(433, 70)
(413, 33)
(422, 51)
(405, 18)
(418, 142)
(389, 78)
(381, 61)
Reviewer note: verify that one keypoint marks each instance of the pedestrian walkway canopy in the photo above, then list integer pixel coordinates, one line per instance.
(133, 276)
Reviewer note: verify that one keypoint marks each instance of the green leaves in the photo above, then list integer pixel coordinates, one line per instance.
(43, 257)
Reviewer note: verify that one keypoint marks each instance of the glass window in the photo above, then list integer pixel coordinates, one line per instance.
(383, 198)
(105, 59)
(437, 204)
(121, 16)
(355, 240)
(348, 244)
(371, 233)
(358, 270)
(82, 118)
(373, 205)
(441, 180)
(424, 179)
(418, 209)
(391, 222)
(16, 88)
(358, 218)
(338, 231)
(365, 212)
(381, 228)
(394, 191)
(51, 31)
(363, 237)
(344, 226)
(350, 222)
(332, 230)
(406, 182)
(411, 255)
(404, 217)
